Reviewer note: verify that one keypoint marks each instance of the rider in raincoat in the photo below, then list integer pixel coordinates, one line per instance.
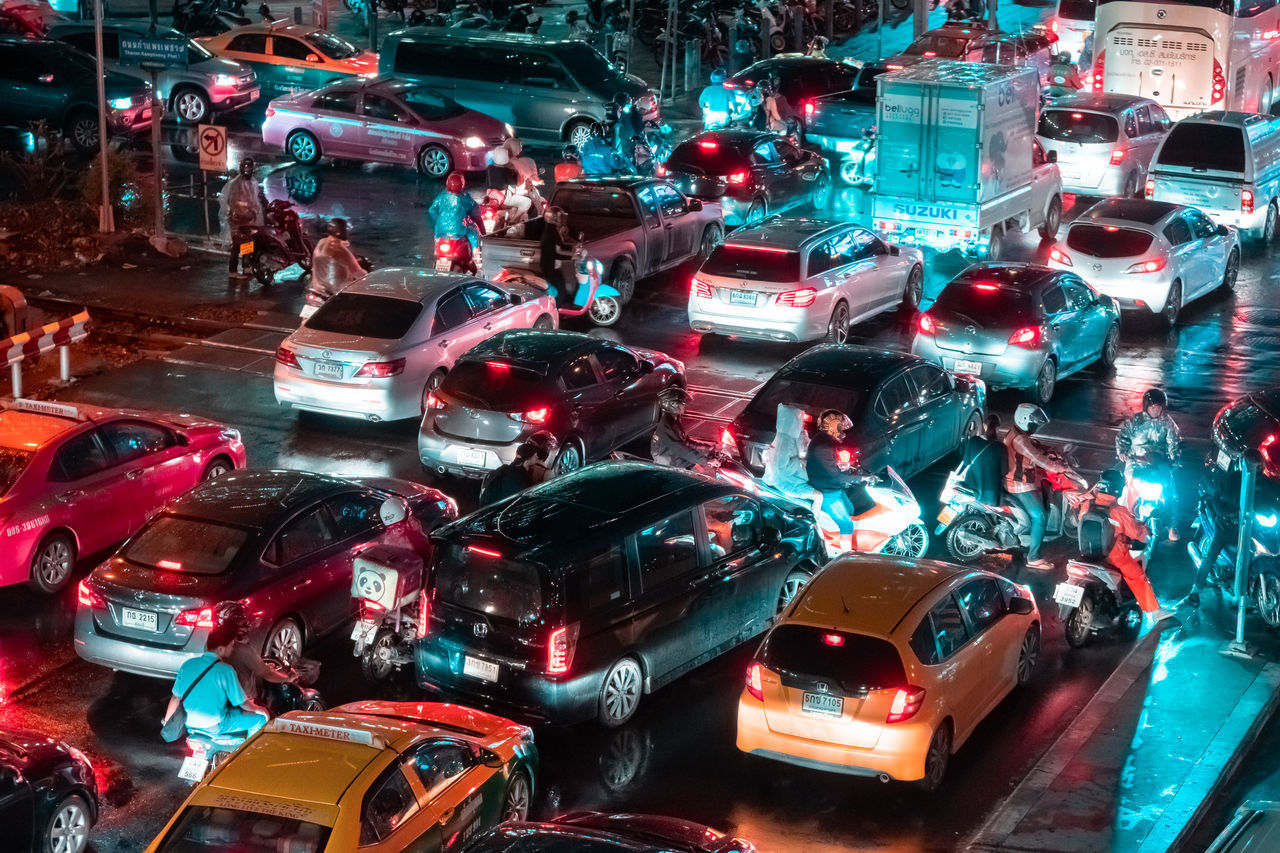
(333, 264)
(242, 206)
(456, 213)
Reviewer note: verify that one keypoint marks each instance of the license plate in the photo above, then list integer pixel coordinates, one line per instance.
(144, 619)
(193, 768)
(1068, 594)
(972, 368)
(822, 704)
(443, 264)
(1224, 461)
(946, 515)
(308, 310)
(471, 456)
(844, 145)
(363, 628)
(742, 297)
(253, 95)
(477, 668)
(331, 369)
(246, 248)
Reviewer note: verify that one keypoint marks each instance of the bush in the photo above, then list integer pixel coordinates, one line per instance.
(131, 195)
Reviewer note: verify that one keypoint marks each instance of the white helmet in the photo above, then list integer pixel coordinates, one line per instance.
(1029, 417)
(501, 156)
(393, 510)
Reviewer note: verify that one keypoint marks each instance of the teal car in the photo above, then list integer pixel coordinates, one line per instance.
(291, 58)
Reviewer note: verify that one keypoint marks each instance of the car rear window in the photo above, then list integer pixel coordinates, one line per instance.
(756, 264)
(1204, 146)
(192, 546)
(503, 389)
(939, 46)
(479, 578)
(1077, 10)
(1108, 241)
(857, 661)
(209, 828)
(701, 158)
(12, 463)
(806, 395)
(1070, 126)
(983, 303)
(366, 316)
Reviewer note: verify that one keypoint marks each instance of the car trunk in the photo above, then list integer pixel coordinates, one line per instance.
(1107, 251)
(964, 333)
(486, 401)
(1083, 141)
(337, 358)
(744, 278)
(142, 604)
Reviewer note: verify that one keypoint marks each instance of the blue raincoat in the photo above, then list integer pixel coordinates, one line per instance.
(455, 215)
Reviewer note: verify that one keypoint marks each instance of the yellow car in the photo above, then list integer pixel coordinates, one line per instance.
(291, 58)
(883, 666)
(377, 776)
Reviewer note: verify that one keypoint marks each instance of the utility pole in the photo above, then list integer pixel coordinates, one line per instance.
(106, 217)
(1249, 464)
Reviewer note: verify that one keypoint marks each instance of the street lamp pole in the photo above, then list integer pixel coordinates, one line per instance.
(106, 219)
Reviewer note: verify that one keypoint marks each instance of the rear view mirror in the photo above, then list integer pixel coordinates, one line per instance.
(1021, 606)
(1051, 156)
(182, 438)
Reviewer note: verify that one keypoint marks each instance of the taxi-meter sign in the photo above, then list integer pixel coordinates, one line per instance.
(212, 140)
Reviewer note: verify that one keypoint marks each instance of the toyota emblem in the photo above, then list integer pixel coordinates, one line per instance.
(480, 629)
(1160, 13)
(1097, 267)
(139, 595)
(971, 330)
(822, 687)
(326, 354)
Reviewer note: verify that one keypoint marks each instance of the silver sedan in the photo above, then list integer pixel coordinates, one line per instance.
(380, 346)
(1104, 142)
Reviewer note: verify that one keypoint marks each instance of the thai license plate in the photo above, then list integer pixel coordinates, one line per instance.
(742, 297)
(482, 669)
(946, 515)
(972, 368)
(246, 248)
(193, 768)
(471, 456)
(365, 629)
(308, 310)
(823, 704)
(844, 146)
(143, 619)
(1068, 594)
(1224, 461)
(443, 264)
(330, 369)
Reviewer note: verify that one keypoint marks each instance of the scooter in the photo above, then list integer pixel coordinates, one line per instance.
(857, 169)
(1146, 493)
(1263, 583)
(280, 243)
(599, 301)
(1095, 597)
(454, 254)
(387, 584)
(493, 211)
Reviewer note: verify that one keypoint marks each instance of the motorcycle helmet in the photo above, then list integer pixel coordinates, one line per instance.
(556, 216)
(621, 101)
(393, 511)
(1064, 58)
(1029, 417)
(545, 442)
(845, 423)
(610, 112)
(247, 166)
(672, 398)
(1154, 397)
(570, 154)
(455, 183)
(572, 17)
(1111, 482)
(337, 227)
(232, 616)
(717, 76)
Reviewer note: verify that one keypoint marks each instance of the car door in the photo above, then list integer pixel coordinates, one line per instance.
(588, 402)
(1210, 253)
(451, 331)
(870, 273)
(393, 817)
(894, 407)
(671, 606)
(483, 74)
(1183, 242)
(30, 89)
(299, 65)
(1092, 318)
(797, 173)
(337, 125)
(386, 134)
(678, 222)
(355, 520)
(17, 807)
(632, 407)
(939, 408)
(960, 677)
(994, 640)
(156, 467)
(460, 796)
(770, 172)
(305, 561)
(1045, 181)
(657, 238)
(1064, 331)
(534, 81)
(742, 560)
(89, 495)
(491, 310)
(1150, 132)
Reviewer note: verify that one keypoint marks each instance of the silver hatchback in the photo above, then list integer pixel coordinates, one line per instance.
(1104, 142)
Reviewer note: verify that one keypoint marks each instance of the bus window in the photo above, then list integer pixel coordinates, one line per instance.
(1252, 8)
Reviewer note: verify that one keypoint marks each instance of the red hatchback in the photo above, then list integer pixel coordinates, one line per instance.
(76, 480)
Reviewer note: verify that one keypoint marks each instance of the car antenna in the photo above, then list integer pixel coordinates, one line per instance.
(844, 605)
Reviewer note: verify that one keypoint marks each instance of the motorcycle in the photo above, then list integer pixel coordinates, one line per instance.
(857, 169)
(207, 18)
(1147, 492)
(599, 301)
(278, 244)
(1263, 583)
(1095, 597)
(454, 254)
(387, 584)
(493, 211)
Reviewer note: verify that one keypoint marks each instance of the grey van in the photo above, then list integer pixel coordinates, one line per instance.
(547, 90)
(208, 84)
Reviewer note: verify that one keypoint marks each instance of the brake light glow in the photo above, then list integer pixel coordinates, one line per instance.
(844, 457)
(833, 639)
(809, 108)
(537, 416)
(661, 170)
(1117, 156)
(287, 357)
(202, 618)
(1099, 67)
(700, 288)
(1060, 256)
(270, 112)
(929, 53)
(1219, 83)
(172, 565)
(737, 178)
(1149, 189)
(560, 649)
(1154, 265)
(755, 682)
(1246, 201)
(726, 437)
(1053, 24)
(802, 298)
(476, 549)
(751, 248)
(1028, 336)
(382, 369)
(986, 287)
(424, 614)
(906, 704)
(371, 610)
(86, 596)
(927, 326)
(500, 366)
(1268, 450)
(434, 402)
(1077, 116)
(893, 67)
(708, 144)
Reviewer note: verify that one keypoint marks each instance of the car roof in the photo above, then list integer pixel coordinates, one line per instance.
(280, 27)
(869, 592)
(28, 430)
(736, 138)
(1024, 276)
(1099, 101)
(410, 283)
(530, 346)
(1129, 211)
(254, 498)
(487, 36)
(843, 364)
(783, 232)
(607, 182)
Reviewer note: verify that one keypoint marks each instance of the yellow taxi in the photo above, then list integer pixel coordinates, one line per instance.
(290, 58)
(373, 776)
(883, 666)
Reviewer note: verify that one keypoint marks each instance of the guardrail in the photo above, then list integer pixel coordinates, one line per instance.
(59, 335)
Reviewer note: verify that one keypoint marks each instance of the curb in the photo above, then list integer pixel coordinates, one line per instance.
(1001, 823)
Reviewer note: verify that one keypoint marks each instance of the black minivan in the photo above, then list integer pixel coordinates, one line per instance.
(570, 600)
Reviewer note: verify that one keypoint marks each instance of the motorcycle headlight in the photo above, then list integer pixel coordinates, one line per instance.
(1149, 491)
(121, 103)
(1267, 520)
(473, 142)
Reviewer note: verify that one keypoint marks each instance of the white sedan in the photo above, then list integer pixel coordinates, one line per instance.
(801, 280)
(376, 349)
(1150, 256)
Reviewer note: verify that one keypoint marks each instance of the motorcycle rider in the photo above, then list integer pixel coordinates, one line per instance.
(455, 213)
(1151, 435)
(598, 156)
(502, 178)
(629, 125)
(783, 469)
(254, 672)
(983, 463)
(217, 703)
(547, 445)
(714, 101)
(333, 264)
(834, 470)
(671, 444)
(555, 254)
(1220, 490)
(1064, 78)
(571, 167)
(243, 206)
(510, 478)
(579, 28)
(1025, 458)
(1130, 534)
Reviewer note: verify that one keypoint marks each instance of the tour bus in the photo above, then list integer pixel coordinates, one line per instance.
(1189, 55)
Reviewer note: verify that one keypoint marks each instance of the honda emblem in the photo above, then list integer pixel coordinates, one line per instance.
(822, 687)
(480, 629)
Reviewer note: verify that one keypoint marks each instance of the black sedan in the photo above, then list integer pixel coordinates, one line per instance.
(906, 412)
(1250, 423)
(593, 395)
(800, 79)
(592, 832)
(48, 795)
(751, 173)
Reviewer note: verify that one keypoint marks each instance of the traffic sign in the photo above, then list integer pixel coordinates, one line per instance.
(212, 139)
(171, 53)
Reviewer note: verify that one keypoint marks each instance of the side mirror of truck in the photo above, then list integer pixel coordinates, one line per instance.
(1051, 156)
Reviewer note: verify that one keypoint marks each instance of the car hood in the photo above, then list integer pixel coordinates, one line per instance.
(219, 65)
(629, 84)
(470, 123)
(119, 85)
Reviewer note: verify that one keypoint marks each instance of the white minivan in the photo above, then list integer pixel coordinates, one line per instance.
(1227, 164)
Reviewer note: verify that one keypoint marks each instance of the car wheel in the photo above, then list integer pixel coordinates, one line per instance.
(1046, 381)
(53, 562)
(974, 427)
(1110, 347)
(216, 468)
(757, 212)
(1232, 272)
(777, 43)
(578, 133)
(303, 147)
(375, 663)
(82, 130)
(791, 587)
(1052, 219)
(434, 161)
(191, 105)
(1028, 655)
(544, 323)
(965, 538)
(623, 279)
(433, 382)
(605, 311)
(620, 693)
(913, 292)
(519, 796)
(712, 236)
(821, 192)
(995, 246)
(284, 641)
(1130, 186)
(1269, 227)
(838, 326)
(68, 828)
(937, 758)
(1172, 305)
(570, 458)
(911, 542)
(311, 702)
(1079, 624)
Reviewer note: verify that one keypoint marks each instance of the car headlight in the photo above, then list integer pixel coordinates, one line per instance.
(121, 103)
(224, 79)
(473, 142)
(511, 131)
(1266, 519)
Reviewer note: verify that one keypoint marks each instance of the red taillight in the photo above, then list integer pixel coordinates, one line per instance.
(1219, 83)
(371, 610)
(1053, 24)
(808, 108)
(833, 639)
(500, 366)
(1060, 256)
(434, 402)
(1154, 265)
(382, 369)
(476, 549)
(906, 703)
(1099, 67)
(560, 649)
(171, 565)
(1117, 156)
(1028, 336)
(424, 614)
(802, 298)
(488, 213)
(202, 618)
(737, 178)
(661, 170)
(927, 326)
(1246, 201)
(536, 416)
(701, 289)
(447, 247)
(88, 597)
(893, 67)
(1268, 449)
(1149, 189)
(844, 457)
(726, 437)
(270, 112)
(708, 144)
(755, 682)
(287, 357)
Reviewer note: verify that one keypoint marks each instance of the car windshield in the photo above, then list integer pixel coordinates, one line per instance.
(193, 546)
(943, 47)
(12, 463)
(478, 578)
(202, 829)
(857, 661)
(986, 303)
(502, 388)
(752, 263)
(806, 395)
(79, 61)
(366, 316)
(587, 66)
(330, 45)
(707, 157)
(1069, 126)
(1077, 10)
(1204, 146)
(1108, 241)
(430, 104)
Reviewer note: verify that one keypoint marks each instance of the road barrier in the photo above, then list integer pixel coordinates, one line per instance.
(35, 342)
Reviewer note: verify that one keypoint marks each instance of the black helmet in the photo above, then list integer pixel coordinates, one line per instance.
(610, 112)
(1111, 482)
(337, 227)
(621, 100)
(232, 617)
(570, 153)
(545, 442)
(247, 165)
(1154, 397)
(671, 397)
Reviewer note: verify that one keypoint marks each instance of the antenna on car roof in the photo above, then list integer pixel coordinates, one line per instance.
(843, 604)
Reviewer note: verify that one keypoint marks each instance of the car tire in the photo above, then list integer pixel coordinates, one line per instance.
(544, 323)
(571, 457)
(936, 758)
(53, 562)
(1046, 381)
(1110, 347)
(1172, 306)
(67, 830)
(913, 291)
(1268, 234)
(838, 325)
(82, 130)
(791, 586)
(821, 196)
(1028, 655)
(190, 105)
(623, 279)
(303, 147)
(284, 641)
(433, 382)
(974, 427)
(757, 212)
(216, 468)
(579, 132)
(434, 161)
(1052, 218)
(620, 692)
(712, 236)
(1232, 271)
(518, 797)
(995, 246)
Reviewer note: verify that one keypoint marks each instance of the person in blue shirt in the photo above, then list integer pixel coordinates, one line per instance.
(714, 101)
(455, 212)
(216, 703)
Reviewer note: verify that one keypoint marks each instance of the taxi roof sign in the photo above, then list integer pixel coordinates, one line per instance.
(45, 407)
(323, 730)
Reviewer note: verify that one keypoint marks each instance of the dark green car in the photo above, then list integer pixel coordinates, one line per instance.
(291, 58)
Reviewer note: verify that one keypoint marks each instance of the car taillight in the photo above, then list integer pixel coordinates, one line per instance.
(87, 596)
(1154, 265)
(270, 112)
(424, 614)
(802, 298)
(755, 683)
(533, 416)
(906, 703)
(287, 357)
(488, 213)
(701, 289)
(1060, 256)
(661, 170)
(808, 108)
(560, 649)
(1149, 189)
(1219, 83)
(1117, 156)
(1027, 336)
(1053, 24)
(433, 401)
(726, 437)
(382, 369)
(926, 325)
(202, 618)
(737, 178)
(1099, 67)
(1246, 201)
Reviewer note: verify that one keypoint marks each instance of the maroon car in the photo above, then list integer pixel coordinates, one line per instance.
(386, 120)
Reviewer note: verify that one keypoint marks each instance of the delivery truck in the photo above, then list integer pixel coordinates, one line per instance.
(957, 163)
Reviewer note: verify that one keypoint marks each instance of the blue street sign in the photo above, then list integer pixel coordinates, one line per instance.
(169, 52)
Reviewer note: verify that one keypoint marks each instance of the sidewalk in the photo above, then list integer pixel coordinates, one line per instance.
(1136, 770)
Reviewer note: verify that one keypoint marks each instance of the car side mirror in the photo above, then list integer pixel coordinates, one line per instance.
(516, 299)
(486, 757)
(894, 250)
(694, 205)
(1224, 231)
(182, 439)
(311, 57)
(1051, 156)
(646, 366)
(770, 535)
(1021, 606)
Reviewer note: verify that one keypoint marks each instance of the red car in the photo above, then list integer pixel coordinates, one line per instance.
(76, 480)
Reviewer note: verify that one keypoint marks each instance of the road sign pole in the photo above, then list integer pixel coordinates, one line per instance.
(106, 217)
(1249, 464)
(157, 112)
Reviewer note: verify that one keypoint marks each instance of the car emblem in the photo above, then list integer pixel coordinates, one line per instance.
(326, 354)
(971, 330)
(1097, 267)
(1161, 13)
(480, 629)
(822, 687)
(475, 416)
(139, 595)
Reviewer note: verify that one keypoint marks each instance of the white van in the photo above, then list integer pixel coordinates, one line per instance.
(1225, 163)
(1073, 24)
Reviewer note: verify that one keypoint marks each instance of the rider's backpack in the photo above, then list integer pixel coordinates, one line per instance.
(1097, 534)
